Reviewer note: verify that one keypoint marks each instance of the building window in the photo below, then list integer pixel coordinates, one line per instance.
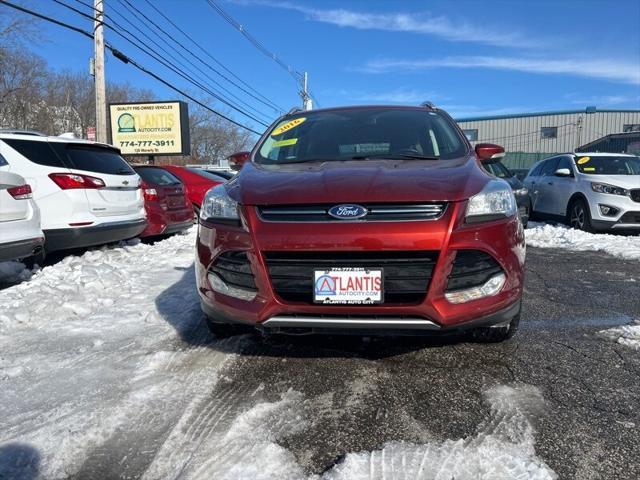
(631, 127)
(549, 132)
(471, 134)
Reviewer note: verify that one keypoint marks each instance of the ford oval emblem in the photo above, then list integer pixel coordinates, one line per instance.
(348, 212)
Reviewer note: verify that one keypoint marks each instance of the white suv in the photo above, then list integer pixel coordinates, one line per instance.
(590, 191)
(20, 233)
(87, 194)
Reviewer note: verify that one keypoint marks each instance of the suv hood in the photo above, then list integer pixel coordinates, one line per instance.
(629, 182)
(358, 181)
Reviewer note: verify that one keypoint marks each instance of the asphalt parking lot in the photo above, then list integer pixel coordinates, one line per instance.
(245, 407)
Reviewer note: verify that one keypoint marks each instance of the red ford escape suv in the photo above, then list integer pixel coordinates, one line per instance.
(367, 220)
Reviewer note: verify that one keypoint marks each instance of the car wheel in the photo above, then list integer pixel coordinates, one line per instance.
(226, 330)
(496, 334)
(578, 216)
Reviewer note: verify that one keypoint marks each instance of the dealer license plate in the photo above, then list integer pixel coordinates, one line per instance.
(347, 286)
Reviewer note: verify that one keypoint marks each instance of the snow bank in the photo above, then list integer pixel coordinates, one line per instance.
(628, 335)
(559, 236)
(93, 357)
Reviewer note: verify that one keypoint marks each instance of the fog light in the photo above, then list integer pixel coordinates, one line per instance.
(218, 285)
(608, 211)
(489, 288)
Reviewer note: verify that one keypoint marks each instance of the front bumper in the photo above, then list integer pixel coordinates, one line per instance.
(627, 212)
(502, 239)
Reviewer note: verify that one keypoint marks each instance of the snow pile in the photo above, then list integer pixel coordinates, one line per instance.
(628, 335)
(503, 448)
(13, 272)
(79, 290)
(560, 236)
(97, 355)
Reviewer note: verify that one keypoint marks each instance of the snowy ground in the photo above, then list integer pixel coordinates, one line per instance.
(107, 371)
(544, 235)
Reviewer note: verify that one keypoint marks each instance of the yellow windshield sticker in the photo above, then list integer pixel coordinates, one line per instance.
(288, 126)
(589, 169)
(583, 160)
(285, 143)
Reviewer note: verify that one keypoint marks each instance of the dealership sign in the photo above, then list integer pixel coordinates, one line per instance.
(151, 128)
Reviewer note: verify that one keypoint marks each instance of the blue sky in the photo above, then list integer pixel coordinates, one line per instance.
(471, 57)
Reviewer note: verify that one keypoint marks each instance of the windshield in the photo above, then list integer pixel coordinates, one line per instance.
(608, 165)
(360, 134)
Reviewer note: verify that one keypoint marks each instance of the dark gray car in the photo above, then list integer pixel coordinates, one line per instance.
(521, 193)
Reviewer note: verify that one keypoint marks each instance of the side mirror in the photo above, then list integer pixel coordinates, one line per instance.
(488, 152)
(237, 160)
(563, 172)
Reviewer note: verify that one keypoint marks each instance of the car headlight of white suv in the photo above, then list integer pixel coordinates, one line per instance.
(219, 206)
(494, 201)
(610, 189)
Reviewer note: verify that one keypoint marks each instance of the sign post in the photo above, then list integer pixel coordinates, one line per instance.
(150, 128)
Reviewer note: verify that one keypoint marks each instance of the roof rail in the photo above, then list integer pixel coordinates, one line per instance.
(428, 105)
(295, 110)
(22, 132)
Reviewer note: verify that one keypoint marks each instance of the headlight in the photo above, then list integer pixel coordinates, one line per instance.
(611, 189)
(218, 206)
(495, 201)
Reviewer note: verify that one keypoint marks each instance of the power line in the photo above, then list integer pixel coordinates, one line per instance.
(134, 11)
(154, 54)
(256, 94)
(124, 58)
(297, 76)
(262, 98)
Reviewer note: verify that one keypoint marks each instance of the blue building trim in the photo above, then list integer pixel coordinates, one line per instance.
(542, 114)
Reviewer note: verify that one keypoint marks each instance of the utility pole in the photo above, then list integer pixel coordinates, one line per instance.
(307, 103)
(99, 82)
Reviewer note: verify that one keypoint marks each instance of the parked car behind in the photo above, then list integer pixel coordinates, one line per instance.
(363, 219)
(20, 233)
(588, 191)
(165, 200)
(197, 181)
(227, 174)
(519, 173)
(523, 199)
(87, 194)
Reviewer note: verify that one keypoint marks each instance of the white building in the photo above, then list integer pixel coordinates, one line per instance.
(529, 137)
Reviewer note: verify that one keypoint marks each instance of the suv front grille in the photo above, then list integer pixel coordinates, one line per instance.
(406, 274)
(471, 268)
(388, 212)
(635, 195)
(235, 270)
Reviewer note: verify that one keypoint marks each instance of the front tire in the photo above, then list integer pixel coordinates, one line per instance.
(578, 216)
(496, 334)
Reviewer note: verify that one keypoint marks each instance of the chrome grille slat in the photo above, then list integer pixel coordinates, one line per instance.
(375, 213)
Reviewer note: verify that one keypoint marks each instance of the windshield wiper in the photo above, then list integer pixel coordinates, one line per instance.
(395, 156)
